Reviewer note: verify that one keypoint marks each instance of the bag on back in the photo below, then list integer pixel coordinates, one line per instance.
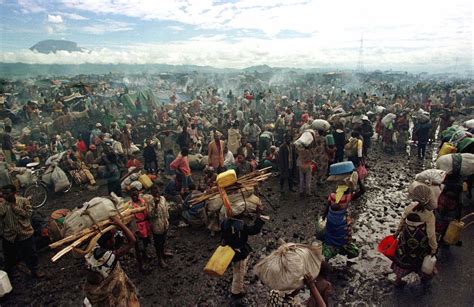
(60, 180)
(90, 213)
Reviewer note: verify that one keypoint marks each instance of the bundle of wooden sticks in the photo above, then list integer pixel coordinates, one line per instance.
(248, 181)
(88, 237)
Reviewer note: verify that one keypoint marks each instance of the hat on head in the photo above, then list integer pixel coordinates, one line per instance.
(365, 117)
(98, 125)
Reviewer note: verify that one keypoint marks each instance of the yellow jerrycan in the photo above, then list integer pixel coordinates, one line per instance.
(455, 227)
(219, 261)
(447, 148)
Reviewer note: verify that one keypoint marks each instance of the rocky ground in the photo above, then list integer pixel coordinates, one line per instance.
(365, 280)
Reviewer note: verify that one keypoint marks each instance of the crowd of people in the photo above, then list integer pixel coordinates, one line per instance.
(183, 145)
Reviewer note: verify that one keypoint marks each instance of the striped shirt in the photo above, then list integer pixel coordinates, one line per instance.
(15, 220)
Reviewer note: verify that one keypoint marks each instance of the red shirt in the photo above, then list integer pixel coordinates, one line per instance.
(182, 164)
(135, 163)
(81, 146)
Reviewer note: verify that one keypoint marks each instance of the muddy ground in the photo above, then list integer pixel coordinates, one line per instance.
(365, 280)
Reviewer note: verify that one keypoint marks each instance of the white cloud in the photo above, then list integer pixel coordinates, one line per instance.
(73, 16)
(55, 19)
(244, 53)
(107, 26)
(55, 28)
(297, 15)
(404, 32)
(31, 6)
(176, 28)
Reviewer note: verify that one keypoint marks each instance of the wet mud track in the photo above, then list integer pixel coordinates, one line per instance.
(365, 280)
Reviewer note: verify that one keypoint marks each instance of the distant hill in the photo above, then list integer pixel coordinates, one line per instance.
(258, 68)
(32, 70)
(51, 46)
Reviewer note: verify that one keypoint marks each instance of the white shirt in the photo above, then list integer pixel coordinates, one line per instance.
(229, 158)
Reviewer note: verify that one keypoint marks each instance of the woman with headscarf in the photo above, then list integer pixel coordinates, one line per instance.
(416, 235)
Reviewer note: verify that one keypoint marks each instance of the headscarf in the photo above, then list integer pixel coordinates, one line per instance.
(101, 261)
(423, 195)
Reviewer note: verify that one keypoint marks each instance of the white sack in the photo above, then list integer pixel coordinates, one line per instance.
(469, 124)
(431, 176)
(389, 118)
(94, 211)
(320, 124)
(284, 269)
(60, 180)
(445, 163)
(305, 139)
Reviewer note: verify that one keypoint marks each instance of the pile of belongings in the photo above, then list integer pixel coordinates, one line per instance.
(388, 120)
(306, 139)
(85, 224)
(136, 180)
(463, 163)
(229, 196)
(320, 124)
(461, 140)
(284, 268)
(194, 213)
(242, 201)
(55, 176)
(433, 179)
(197, 162)
(131, 182)
(469, 124)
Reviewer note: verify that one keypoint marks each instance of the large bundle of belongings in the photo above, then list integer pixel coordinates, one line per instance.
(82, 227)
(230, 196)
(197, 162)
(320, 124)
(388, 120)
(306, 139)
(284, 269)
(456, 139)
(462, 163)
(54, 175)
(433, 179)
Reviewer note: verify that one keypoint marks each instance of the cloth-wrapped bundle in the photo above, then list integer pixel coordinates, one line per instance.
(320, 124)
(215, 203)
(241, 205)
(195, 162)
(469, 124)
(284, 269)
(90, 213)
(305, 139)
(388, 119)
(445, 163)
(431, 176)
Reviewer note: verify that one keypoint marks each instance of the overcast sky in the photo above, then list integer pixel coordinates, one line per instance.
(415, 35)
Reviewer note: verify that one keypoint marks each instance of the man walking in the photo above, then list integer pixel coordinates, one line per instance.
(15, 216)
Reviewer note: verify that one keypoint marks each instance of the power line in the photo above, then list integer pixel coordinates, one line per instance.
(360, 64)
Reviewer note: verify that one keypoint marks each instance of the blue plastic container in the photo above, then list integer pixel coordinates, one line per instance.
(341, 168)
